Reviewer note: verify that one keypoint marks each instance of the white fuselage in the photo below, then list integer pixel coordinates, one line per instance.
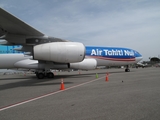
(11, 61)
(7, 61)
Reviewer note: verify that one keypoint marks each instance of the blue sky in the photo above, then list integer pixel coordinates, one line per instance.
(123, 23)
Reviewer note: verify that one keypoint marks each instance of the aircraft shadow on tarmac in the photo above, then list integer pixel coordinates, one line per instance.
(33, 81)
(30, 82)
(93, 73)
(88, 74)
(11, 78)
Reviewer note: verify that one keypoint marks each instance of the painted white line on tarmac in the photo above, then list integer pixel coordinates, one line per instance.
(46, 95)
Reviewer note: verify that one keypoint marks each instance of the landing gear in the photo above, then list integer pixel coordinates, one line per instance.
(127, 69)
(50, 75)
(41, 75)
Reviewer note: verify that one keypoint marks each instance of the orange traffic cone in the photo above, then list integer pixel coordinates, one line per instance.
(62, 85)
(107, 77)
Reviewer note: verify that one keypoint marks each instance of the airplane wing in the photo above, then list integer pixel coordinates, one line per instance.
(16, 31)
(11, 24)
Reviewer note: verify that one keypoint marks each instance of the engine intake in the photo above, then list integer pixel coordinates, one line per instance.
(60, 52)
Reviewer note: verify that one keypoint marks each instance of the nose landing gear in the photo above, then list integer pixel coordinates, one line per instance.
(127, 69)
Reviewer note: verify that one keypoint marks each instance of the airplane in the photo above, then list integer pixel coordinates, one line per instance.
(25, 47)
(139, 64)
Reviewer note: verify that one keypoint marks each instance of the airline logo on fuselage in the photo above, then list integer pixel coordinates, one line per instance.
(112, 52)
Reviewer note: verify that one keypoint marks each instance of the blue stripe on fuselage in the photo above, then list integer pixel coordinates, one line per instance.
(112, 53)
(9, 49)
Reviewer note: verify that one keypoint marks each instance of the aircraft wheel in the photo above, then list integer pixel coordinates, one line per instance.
(40, 75)
(50, 75)
(127, 70)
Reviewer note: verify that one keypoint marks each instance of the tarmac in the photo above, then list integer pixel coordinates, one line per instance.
(131, 95)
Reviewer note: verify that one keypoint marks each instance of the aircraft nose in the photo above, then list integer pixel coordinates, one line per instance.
(138, 56)
(138, 59)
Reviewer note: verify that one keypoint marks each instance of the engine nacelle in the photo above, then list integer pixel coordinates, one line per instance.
(86, 64)
(60, 52)
(34, 64)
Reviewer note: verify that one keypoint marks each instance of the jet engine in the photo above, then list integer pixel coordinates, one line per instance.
(60, 52)
(86, 64)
